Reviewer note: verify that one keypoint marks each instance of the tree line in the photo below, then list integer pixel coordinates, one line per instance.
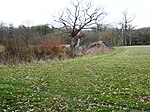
(81, 25)
(42, 41)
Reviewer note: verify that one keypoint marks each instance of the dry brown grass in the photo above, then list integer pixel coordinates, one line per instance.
(51, 45)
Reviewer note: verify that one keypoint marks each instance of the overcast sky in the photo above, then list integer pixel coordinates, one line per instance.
(34, 12)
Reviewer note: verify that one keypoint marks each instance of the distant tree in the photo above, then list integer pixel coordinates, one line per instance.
(126, 27)
(141, 36)
(3, 30)
(78, 16)
(43, 29)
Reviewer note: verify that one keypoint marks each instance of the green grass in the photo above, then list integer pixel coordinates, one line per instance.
(118, 81)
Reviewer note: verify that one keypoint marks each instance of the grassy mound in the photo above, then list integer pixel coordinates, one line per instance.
(115, 81)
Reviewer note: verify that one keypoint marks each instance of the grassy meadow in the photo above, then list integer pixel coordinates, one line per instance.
(117, 81)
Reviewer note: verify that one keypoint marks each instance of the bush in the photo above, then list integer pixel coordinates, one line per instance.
(51, 45)
(24, 51)
(16, 51)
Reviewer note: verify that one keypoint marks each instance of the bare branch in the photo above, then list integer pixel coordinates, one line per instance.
(80, 15)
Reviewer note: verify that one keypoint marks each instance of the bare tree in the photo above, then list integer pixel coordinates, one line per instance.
(80, 15)
(126, 26)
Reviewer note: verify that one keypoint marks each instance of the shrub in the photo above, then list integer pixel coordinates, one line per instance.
(19, 50)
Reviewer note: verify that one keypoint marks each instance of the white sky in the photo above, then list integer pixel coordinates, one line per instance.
(42, 11)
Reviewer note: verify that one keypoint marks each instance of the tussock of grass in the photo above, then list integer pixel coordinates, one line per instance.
(115, 81)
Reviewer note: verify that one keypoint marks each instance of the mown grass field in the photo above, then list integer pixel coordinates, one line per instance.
(118, 81)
